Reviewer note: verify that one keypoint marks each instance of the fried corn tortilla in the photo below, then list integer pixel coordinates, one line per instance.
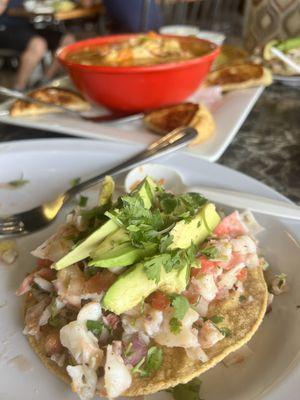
(242, 318)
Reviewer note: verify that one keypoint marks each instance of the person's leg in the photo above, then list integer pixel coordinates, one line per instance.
(55, 66)
(30, 58)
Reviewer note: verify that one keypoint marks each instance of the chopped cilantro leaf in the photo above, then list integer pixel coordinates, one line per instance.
(83, 201)
(151, 363)
(180, 305)
(210, 252)
(175, 326)
(95, 327)
(56, 322)
(153, 266)
(75, 181)
(17, 183)
(216, 319)
(188, 391)
(242, 298)
(225, 331)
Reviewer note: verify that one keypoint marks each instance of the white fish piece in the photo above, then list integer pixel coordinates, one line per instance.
(207, 286)
(209, 335)
(152, 321)
(91, 311)
(249, 220)
(244, 245)
(83, 344)
(43, 284)
(202, 307)
(196, 353)
(228, 279)
(84, 381)
(252, 260)
(117, 377)
(187, 337)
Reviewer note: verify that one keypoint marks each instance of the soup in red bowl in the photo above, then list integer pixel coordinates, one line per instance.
(138, 72)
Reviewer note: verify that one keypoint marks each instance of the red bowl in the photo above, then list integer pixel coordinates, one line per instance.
(137, 88)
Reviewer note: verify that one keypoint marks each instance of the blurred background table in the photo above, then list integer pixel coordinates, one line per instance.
(76, 13)
(267, 146)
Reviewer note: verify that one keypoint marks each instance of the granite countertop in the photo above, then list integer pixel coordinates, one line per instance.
(267, 146)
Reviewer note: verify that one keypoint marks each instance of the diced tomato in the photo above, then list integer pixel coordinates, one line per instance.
(47, 273)
(207, 266)
(191, 296)
(195, 272)
(41, 263)
(101, 281)
(242, 275)
(158, 300)
(231, 226)
(236, 258)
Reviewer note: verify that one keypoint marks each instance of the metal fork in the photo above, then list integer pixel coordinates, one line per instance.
(40, 217)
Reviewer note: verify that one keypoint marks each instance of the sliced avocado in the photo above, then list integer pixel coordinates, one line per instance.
(197, 229)
(123, 255)
(146, 190)
(111, 242)
(83, 249)
(133, 286)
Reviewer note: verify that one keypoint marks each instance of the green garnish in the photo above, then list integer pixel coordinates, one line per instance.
(17, 183)
(151, 363)
(56, 321)
(175, 326)
(188, 391)
(216, 319)
(95, 327)
(174, 259)
(242, 298)
(210, 252)
(225, 331)
(128, 351)
(75, 181)
(180, 305)
(83, 201)
(282, 280)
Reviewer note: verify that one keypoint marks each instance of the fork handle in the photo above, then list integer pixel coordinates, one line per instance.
(173, 141)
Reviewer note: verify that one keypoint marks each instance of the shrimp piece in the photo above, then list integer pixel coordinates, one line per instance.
(35, 317)
(84, 381)
(83, 344)
(117, 377)
(57, 245)
(70, 285)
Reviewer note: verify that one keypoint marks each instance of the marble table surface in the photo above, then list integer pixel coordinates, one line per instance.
(267, 146)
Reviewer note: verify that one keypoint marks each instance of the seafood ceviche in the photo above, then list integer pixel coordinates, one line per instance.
(143, 292)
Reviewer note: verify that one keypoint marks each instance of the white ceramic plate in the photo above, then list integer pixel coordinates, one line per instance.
(272, 373)
(229, 114)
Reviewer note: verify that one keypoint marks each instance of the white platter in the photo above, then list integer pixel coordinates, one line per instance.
(272, 373)
(229, 113)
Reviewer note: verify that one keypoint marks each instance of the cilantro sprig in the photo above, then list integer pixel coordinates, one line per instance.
(180, 306)
(149, 364)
